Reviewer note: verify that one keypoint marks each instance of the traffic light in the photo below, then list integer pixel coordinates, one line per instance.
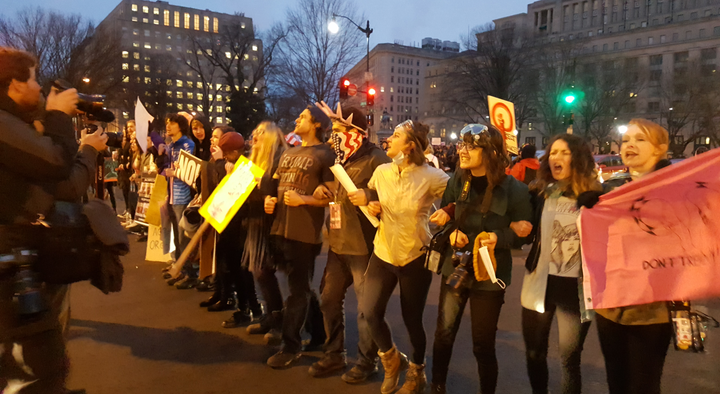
(570, 98)
(371, 97)
(371, 119)
(344, 85)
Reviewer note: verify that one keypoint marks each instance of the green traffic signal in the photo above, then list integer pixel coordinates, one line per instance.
(570, 98)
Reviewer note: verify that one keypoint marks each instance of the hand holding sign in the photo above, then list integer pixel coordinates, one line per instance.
(188, 168)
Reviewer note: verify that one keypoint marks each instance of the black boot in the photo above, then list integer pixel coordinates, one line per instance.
(225, 304)
(211, 301)
(239, 318)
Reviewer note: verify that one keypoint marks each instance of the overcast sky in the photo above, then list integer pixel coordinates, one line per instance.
(406, 20)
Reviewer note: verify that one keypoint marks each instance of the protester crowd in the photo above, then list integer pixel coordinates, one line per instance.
(378, 237)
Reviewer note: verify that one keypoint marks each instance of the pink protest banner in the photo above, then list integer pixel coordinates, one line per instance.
(655, 239)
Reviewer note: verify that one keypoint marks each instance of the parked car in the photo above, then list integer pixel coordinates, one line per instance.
(608, 165)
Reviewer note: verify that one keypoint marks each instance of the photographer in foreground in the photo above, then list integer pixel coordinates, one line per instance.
(34, 168)
(485, 200)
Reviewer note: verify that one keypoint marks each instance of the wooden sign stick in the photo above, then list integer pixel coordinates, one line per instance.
(177, 266)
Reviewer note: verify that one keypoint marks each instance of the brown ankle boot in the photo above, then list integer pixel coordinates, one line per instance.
(415, 380)
(393, 362)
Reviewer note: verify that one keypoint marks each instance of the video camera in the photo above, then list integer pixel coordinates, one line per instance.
(93, 105)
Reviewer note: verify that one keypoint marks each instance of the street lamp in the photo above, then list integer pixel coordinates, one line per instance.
(622, 129)
(86, 80)
(333, 26)
(453, 136)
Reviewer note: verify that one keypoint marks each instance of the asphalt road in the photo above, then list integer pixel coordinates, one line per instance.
(151, 338)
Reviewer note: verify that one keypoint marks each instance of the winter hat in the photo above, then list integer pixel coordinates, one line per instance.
(231, 141)
(320, 117)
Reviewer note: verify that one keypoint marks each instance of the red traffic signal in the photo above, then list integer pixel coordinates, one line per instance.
(371, 97)
(344, 84)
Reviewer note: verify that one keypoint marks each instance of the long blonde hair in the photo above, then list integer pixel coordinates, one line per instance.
(263, 154)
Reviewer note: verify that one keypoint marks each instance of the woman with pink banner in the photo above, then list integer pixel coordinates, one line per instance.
(553, 268)
(635, 339)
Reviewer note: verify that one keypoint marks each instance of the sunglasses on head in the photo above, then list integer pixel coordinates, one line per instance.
(474, 130)
(408, 124)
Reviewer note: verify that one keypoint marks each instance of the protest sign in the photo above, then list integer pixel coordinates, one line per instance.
(142, 121)
(502, 116)
(188, 168)
(230, 194)
(154, 250)
(158, 198)
(655, 239)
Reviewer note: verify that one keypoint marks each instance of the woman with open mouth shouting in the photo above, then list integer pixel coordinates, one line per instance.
(553, 267)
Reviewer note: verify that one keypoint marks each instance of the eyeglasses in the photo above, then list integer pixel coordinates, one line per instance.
(466, 146)
(474, 129)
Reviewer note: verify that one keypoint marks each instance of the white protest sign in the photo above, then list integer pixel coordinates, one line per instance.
(142, 118)
(348, 184)
(154, 250)
(188, 168)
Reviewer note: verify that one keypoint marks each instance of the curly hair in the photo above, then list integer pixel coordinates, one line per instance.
(494, 153)
(583, 176)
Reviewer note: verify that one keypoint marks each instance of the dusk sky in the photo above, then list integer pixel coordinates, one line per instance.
(406, 20)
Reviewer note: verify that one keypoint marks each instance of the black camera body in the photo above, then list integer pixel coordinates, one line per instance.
(93, 105)
(463, 276)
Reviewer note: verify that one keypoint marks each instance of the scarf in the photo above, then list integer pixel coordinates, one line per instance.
(346, 144)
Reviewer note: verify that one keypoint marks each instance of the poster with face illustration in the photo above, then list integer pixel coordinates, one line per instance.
(565, 241)
(656, 238)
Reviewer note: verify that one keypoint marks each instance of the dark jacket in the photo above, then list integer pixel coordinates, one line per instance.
(30, 161)
(510, 203)
(31, 165)
(359, 167)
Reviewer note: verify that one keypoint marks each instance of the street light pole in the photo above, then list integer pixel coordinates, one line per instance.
(367, 30)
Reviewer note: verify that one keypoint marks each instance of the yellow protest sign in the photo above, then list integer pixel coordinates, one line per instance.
(230, 194)
(502, 116)
(158, 198)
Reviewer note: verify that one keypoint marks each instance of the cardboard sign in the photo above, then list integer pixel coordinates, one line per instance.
(158, 198)
(436, 141)
(502, 116)
(231, 193)
(154, 250)
(188, 168)
(656, 238)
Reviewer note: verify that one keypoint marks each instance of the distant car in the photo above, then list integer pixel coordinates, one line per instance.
(608, 165)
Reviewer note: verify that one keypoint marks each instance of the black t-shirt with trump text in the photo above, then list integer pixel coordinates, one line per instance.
(302, 169)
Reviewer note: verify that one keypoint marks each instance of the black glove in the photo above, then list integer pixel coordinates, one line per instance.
(588, 199)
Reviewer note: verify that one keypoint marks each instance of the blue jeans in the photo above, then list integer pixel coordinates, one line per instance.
(485, 308)
(561, 299)
(341, 271)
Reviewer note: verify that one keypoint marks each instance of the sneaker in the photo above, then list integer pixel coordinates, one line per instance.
(273, 337)
(283, 359)
(360, 373)
(172, 281)
(238, 319)
(187, 283)
(327, 365)
(206, 284)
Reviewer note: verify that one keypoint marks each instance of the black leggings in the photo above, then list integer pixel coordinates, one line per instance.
(381, 279)
(634, 355)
